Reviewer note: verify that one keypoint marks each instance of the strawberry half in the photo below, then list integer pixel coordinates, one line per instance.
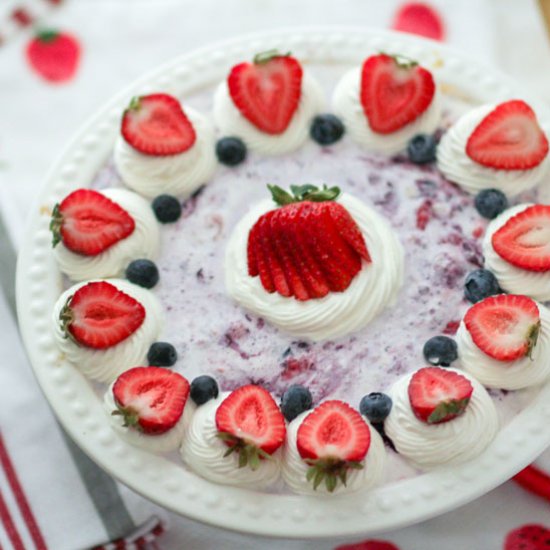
(87, 222)
(505, 327)
(308, 247)
(267, 91)
(332, 439)
(438, 395)
(508, 138)
(151, 399)
(394, 92)
(251, 424)
(156, 125)
(524, 240)
(99, 315)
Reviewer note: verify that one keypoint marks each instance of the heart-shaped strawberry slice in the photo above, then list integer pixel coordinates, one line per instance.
(267, 91)
(508, 138)
(394, 92)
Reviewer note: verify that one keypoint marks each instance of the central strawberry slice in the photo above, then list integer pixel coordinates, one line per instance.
(151, 399)
(251, 424)
(332, 439)
(524, 240)
(394, 92)
(308, 247)
(438, 395)
(508, 138)
(98, 315)
(267, 91)
(87, 222)
(505, 327)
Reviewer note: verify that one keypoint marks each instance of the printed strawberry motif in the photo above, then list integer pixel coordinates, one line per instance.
(528, 537)
(505, 327)
(419, 18)
(308, 247)
(438, 395)
(524, 240)
(87, 222)
(251, 424)
(332, 439)
(267, 91)
(54, 55)
(99, 315)
(370, 544)
(394, 92)
(151, 399)
(156, 125)
(508, 138)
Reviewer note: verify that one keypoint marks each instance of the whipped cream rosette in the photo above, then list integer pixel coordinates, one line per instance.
(386, 102)
(498, 146)
(319, 266)
(149, 407)
(268, 103)
(504, 341)
(98, 233)
(332, 450)
(440, 417)
(236, 438)
(106, 327)
(164, 149)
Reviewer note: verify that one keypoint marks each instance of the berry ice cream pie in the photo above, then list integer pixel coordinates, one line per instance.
(500, 146)
(106, 327)
(268, 103)
(149, 408)
(97, 233)
(164, 149)
(504, 341)
(387, 101)
(314, 262)
(440, 416)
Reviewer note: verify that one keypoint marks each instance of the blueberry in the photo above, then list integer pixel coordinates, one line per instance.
(480, 284)
(230, 150)
(296, 400)
(162, 354)
(421, 149)
(375, 406)
(440, 350)
(490, 203)
(167, 208)
(204, 388)
(143, 273)
(326, 129)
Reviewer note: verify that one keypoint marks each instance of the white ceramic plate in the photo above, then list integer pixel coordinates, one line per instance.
(171, 485)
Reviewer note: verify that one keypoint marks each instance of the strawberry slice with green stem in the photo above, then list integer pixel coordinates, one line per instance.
(151, 399)
(524, 240)
(438, 395)
(508, 138)
(99, 315)
(251, 424)
(88, 223)
(333, 439)
(505, 327)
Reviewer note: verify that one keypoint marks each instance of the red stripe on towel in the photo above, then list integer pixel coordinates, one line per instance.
(9, 525)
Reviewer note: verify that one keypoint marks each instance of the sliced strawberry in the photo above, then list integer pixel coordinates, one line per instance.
(508, 138)
(99, 315)
(267, 91)
(505, 327)
(156, 125)
(438, 395)
(251, 424)
(332, 439)
(151, 399)
(524, 240)
(394, 92)
(87, 222)
(306, 248)
(419, 18)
